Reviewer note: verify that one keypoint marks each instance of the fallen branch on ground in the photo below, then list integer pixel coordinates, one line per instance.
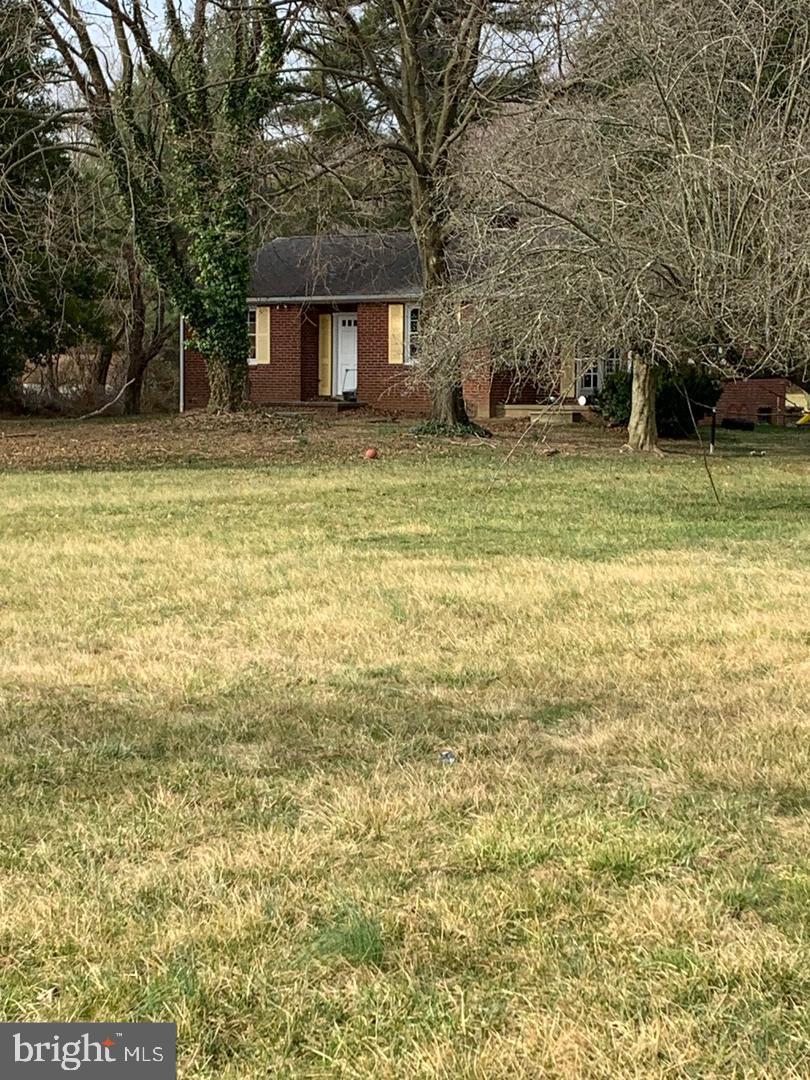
(97, 412)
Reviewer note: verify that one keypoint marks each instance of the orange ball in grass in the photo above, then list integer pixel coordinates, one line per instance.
(372, 452)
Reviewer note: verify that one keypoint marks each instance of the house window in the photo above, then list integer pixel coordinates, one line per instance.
(591, 375)
(411, 333)
(588, 378)
(251, 319)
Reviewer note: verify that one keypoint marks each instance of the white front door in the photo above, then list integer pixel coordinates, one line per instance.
(345, 353)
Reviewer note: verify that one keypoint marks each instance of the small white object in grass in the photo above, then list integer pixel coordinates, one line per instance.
(447, 757)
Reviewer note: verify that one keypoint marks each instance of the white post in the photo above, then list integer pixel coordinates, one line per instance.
(182, 363)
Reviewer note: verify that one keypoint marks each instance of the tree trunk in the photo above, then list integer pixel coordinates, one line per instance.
(51, 381)
(101, 370)
(642, 431)
(447, 406)
(427, 219)
(141, 348)
(226, 383)
(134, 390)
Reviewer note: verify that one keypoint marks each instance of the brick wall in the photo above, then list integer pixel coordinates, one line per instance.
(380, 384)
(281, 380)
(486, 394)
(753, 399)
(478, 384)
(478, 396)
(292, 374)
(195, 391)
(309, 353)
(387, 386)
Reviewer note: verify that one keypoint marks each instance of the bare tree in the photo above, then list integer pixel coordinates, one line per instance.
(653, 206)
(176, 117)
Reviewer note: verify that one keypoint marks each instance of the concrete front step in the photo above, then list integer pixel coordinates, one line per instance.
(567, 413)
(329, 404)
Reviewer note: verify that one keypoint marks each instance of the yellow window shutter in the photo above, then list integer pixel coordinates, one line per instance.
(325, 355)
(263, 335)
(396, 333)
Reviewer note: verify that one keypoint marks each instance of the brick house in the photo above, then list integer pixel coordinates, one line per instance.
(329, 318)
(336, 318)
(762, 400)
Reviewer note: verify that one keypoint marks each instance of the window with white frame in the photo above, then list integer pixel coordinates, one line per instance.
(411, 333)
(251, 321)
(588, 378)
(591, 375)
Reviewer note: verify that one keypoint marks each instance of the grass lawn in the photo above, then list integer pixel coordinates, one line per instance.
(224, 689)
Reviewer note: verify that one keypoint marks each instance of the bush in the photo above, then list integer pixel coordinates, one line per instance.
(671, 406)
(614, 399)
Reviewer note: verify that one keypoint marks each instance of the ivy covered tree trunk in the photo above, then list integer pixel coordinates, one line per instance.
(226, 385)
(221, 252)
(642, 430)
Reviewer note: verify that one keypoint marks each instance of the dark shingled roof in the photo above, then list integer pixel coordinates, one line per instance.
(360, 265)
